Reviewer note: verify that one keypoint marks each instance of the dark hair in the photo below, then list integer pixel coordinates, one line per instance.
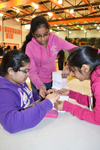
(8, 47)
(84, 55)
(14, 59)
(14, 47)
(35, 24)
(1, 51)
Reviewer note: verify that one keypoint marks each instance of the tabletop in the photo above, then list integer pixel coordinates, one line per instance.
(66, 132)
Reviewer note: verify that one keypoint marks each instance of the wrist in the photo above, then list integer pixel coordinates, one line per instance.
(42, 86)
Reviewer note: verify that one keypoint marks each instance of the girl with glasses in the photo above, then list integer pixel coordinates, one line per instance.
(17, 109)
(42, 48)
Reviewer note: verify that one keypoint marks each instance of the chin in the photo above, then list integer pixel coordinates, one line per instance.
(80, 80)
(23, 81)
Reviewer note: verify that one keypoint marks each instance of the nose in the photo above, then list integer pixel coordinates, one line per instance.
(42, 37)
(27, 74)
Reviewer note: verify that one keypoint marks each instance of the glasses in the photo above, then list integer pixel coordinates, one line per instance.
(40, 36)
(25, 71)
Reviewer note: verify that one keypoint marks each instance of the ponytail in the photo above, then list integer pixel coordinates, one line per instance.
(28, 39)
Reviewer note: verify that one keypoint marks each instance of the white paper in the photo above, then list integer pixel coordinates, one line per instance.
(57, 81)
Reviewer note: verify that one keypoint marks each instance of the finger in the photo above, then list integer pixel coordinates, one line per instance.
(64, 75)
(43, 94)
(55, 90)
(48, 91)
(60, 93)
(58, 98)
(55, 106)
(57, 102)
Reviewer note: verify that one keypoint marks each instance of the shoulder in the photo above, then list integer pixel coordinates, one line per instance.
(52, 36)
(95, 77)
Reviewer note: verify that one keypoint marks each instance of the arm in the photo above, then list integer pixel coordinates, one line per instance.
(83, 113)
(68, 47)
(63, 44)
(33, 74)
(14, 120)
(80, 98)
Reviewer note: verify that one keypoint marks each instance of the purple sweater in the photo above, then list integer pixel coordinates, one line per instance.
(13, 100)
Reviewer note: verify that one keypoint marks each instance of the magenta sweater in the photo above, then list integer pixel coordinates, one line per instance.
(43, 60)
(83, 113)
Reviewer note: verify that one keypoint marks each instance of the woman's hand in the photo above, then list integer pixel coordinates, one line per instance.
(53, 97)
(51, 91)
(42, 91)
(65, 72)
(63, 92)
(59, 105)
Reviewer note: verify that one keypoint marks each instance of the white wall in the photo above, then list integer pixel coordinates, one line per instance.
(62, 34)
(93, 34)
(13, 24)
(17, 38)
(82, 34)
(76, 34)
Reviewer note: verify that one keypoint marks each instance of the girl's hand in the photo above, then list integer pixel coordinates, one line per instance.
(59, 105)
(51, 91)
(53, 97)
(65, 72)
(63, 92)
(42, 91)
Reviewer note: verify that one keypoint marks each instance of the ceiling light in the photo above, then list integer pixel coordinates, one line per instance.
(71, 11)
(98, 28)
(36, 6)
(1, 14)
(50, 14)
(85, 31)
(17, 19)
(33, 16)
(77, 25)
(18, 11)
(69, 31)
(27, 26)
(82, 28)
(50, 30)
(95, 24)
(57, 32)
(59, 1)
(57, 27)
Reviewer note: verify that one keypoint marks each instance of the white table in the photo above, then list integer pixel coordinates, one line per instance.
(63, 133)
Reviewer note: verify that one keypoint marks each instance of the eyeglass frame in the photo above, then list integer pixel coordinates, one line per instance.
(24, 71)
(40, 36)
